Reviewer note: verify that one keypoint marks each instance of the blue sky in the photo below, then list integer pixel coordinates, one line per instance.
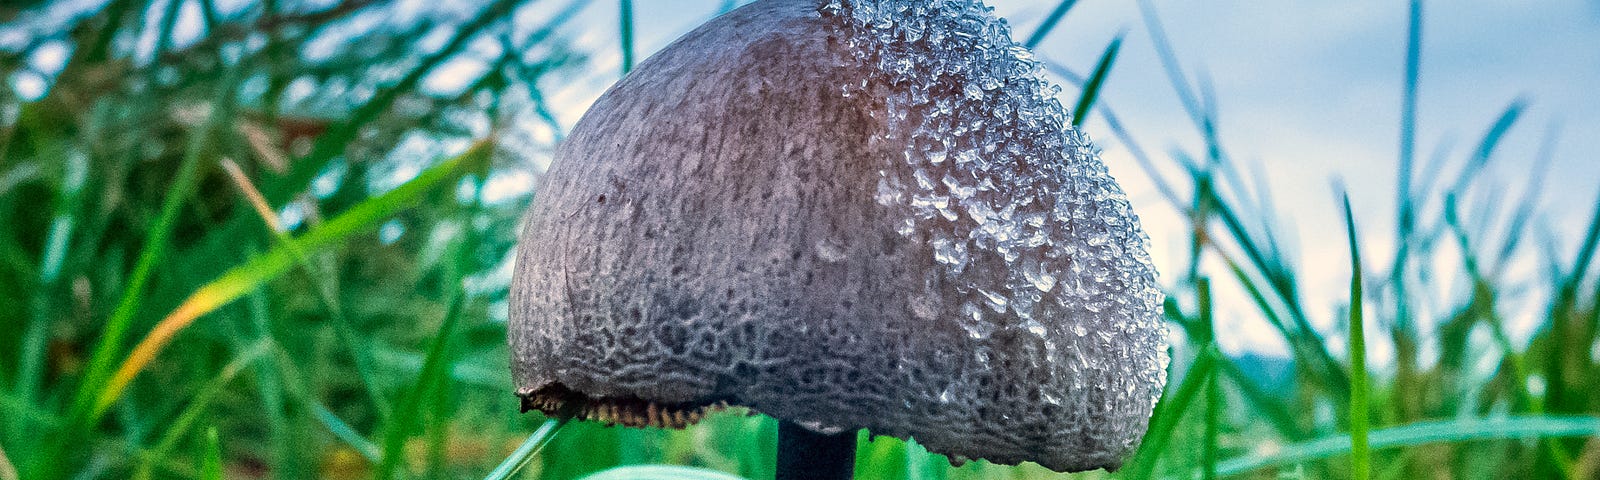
(1307, 92)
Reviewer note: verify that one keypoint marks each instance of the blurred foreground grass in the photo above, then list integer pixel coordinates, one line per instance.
(258, 241)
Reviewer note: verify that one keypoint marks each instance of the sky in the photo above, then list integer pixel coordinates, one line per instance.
(1308, 94)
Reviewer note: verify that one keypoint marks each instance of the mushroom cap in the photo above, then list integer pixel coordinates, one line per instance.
(845, 216)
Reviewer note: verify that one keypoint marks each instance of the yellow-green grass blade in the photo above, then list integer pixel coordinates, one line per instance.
(1213, 394)
(7, 470)
(154, 251)
(262, 269)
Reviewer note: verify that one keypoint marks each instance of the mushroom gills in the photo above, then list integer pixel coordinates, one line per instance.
(556, 400)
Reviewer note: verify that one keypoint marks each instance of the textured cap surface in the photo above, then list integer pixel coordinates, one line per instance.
(863, 214)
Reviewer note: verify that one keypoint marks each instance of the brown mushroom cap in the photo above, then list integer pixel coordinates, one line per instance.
(846, 217)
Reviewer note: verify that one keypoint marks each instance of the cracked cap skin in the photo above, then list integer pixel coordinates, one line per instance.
(741, 221)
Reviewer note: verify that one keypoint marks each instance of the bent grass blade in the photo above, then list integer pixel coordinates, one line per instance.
(258, 271)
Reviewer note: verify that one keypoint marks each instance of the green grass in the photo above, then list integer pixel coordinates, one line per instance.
(163, 325)
(1360, 409)
(1091, 88)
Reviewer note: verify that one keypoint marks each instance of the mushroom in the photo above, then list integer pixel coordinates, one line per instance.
(864, 214)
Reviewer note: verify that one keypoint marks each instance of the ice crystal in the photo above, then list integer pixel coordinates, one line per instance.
(1013, 201)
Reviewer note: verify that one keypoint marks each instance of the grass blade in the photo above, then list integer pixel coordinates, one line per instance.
(347, 434)
(7, 470)
(211, 463)
(1421, 433)
(1169, 61)
(1526, 206)
(1408, 120)
(1091, 89)
(1121, 133)
(50, 264)
(207, 393)
(525, 452)
(626, 18)
(1360, 455)
(246, 278)
(1586, 253)
(1169, 410)
(155, 248)
(660, 472)
(433, 375)
(435, 368)
(1213, 412)
(1049, 23)
(1486, 146)
(332, 143)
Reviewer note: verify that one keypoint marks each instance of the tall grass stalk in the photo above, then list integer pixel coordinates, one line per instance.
(1360, 451)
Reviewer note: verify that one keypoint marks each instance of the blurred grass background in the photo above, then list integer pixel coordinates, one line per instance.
(264, 240)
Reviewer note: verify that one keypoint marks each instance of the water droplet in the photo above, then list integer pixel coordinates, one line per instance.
(830, 252)
(1034, 327)
(950, 252)
(973, 91)
(997, 302)
(819, 427)
(1029, 228)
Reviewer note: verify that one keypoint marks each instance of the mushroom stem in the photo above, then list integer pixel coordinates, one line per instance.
(807, 455)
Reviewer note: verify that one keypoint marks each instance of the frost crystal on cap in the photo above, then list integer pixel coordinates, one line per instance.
(1013, 200)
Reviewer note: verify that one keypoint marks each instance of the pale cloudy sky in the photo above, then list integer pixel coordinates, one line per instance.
(1306, 92)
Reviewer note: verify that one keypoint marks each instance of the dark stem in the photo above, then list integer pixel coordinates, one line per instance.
(808, 455)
